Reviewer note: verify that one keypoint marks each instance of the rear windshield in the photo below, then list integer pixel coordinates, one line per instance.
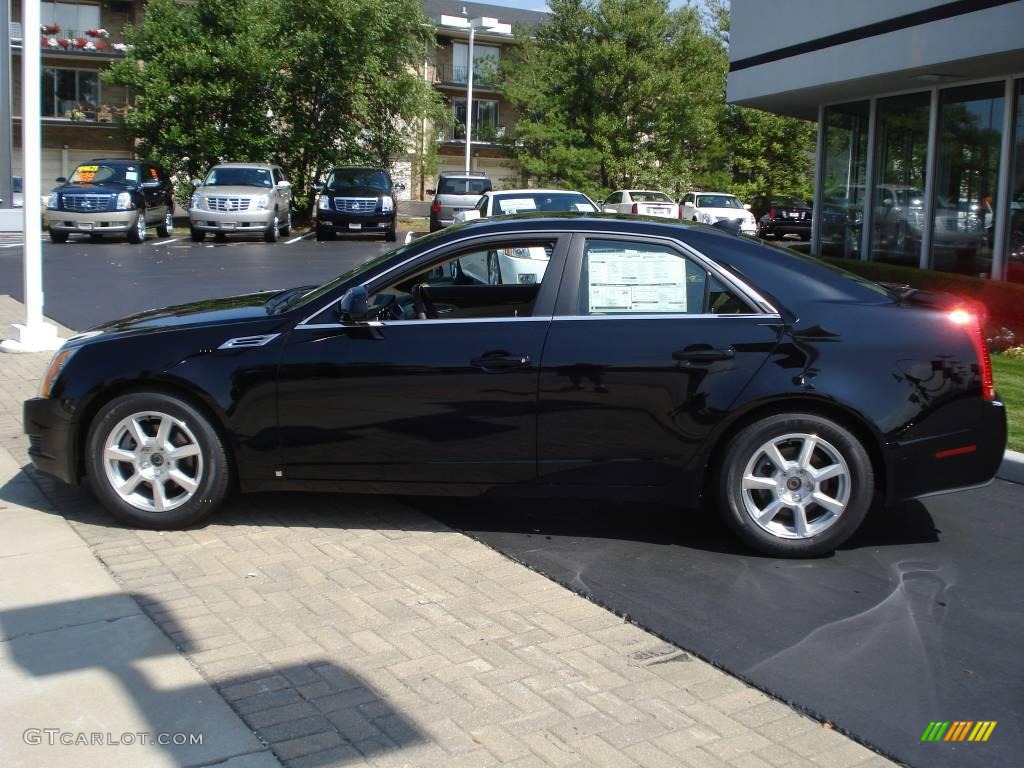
(718, 201)
(794, 202)
(90, 173)
(519, 202)
(362, 178)
(650, 197)
(449, 186)
(239, 177)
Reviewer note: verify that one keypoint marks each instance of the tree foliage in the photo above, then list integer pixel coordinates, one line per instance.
(308, 86)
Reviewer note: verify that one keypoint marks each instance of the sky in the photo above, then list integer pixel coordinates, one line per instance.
(541, 5)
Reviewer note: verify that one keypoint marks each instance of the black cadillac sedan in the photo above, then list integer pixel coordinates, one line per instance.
(629, 358)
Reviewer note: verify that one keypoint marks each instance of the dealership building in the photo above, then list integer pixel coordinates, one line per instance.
(920, 112)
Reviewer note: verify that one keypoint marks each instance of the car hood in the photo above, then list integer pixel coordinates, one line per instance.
(233, 309)
(234, 191)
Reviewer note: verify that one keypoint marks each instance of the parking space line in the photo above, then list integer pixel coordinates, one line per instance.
(300, 237)
(168, 242)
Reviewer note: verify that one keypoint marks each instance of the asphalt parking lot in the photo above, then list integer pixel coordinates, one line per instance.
(915, 620)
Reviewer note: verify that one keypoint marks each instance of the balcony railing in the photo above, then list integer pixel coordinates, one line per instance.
(78, 113)
(450, 74)
(81, 41)
(482, 134)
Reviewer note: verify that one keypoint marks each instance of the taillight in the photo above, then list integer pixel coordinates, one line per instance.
(970, 321)
(635, 209)
(679, 210)
(435, 208)
(771, 213)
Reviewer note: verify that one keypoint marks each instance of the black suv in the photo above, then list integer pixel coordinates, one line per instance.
(107, 197)
(357, 200)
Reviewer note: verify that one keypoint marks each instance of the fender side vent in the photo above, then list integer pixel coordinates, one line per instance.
(248, 341)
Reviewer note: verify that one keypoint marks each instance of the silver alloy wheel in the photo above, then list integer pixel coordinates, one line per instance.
(168, 222)
(493, 269)
(153, 461)
(796, 486)
(140, 225)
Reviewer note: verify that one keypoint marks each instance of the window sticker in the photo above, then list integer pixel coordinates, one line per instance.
(131, 175)
(585, 208)
(636, 281)
(518, 204)
(92, 168)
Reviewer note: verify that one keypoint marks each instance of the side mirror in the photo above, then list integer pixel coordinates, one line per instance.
(430, 191)
(400, 186)
(196, 183)
(284, 185)
(354, 306)
(746, 206)
(61, 180)
(318, 188)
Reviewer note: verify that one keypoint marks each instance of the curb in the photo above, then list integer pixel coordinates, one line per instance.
(1012, 468)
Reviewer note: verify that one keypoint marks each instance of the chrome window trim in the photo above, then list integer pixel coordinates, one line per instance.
(768, 310)
(431, 321)
(673, 316)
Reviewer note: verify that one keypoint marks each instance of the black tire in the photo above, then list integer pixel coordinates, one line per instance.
(214, 479)
(198, 235)
(746, 445)
(805, 236)
(493, 268)
(287, 228)
(220, 237)
(165, 227)
(271, 232)
(95, 237)
(324, 234)
(137, 232)
(391, 234)
(58, 237)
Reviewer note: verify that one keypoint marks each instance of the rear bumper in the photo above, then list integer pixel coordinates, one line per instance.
(963, 449)
(51, 438)
(787, 227)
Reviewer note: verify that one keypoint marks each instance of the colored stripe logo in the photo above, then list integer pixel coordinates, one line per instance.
(958, 730)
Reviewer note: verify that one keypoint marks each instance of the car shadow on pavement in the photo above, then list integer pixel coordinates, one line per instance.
(98, 665)
(699, 529)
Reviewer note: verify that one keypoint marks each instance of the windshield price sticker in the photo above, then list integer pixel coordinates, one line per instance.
(518, 204)
(584, 207)
(86, 168)
(636, 281)
(131, 175)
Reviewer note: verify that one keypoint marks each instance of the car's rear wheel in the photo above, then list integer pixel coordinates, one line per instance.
(795, 485)
(167, 226)
(198, 235)
(154, 461)
(58, 237)
(137, 233)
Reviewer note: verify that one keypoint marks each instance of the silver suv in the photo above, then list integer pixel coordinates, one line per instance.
(241, 197)
(456, 192)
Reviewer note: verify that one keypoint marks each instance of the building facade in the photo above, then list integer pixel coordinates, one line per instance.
(920, 112)
(80, 113)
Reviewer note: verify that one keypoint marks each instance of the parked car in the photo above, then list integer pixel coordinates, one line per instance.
(640, 202)
(116, 196)
(357, 200)
(653, 361)
(17, 197)
(712, 207)
(247, 198)
(516, 265)
(781, 215)
(456, 192)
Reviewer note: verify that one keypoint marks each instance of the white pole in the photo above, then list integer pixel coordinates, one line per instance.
(35, 335)
(469, 98)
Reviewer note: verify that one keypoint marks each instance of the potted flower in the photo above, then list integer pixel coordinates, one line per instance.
(49, 29)
(101, 46)
(78, 42)
(75, 113)
(64, 42)
(97, 32)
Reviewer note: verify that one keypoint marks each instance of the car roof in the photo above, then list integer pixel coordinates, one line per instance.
(463, 174)
(117, 161)
(532, 192)
(242, 164)
(726, 194)
(631, 191)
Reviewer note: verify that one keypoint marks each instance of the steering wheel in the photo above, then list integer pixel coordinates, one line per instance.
(424, 308)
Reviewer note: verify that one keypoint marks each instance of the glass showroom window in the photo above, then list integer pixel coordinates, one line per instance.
(966, 177)
(845, 163)
(71, 93)
(1015, 236)
(901, 157)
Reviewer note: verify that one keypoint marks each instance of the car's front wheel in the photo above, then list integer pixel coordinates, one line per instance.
(155, 461)
(137, 233)
(198, 235)
(391, 233)
(58, 237)
(795, 485)
(271, 232)
(286, 229)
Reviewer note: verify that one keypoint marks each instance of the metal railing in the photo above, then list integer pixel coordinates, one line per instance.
(483, 76)
(80, 41)
(482, 134)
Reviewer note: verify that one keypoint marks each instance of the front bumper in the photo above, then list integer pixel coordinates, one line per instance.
(51, 446)
(338, 221)
(230, 221)
(86, 221)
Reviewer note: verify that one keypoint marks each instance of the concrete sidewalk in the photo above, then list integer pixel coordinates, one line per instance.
(343, 630)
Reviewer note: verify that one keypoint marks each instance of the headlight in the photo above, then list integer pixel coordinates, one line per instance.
(124, 201)
(262, 202)
(56, 366)
(387, 205)
(197, 201)
(51, 201)
(518, 253)
(706, 218)
(324, 203)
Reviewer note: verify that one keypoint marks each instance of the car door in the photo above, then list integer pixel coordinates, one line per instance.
(284, 192)
(649, 347)
(153, 194)
(441, 388)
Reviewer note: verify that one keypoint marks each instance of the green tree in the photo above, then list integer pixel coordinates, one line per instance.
(614, 93)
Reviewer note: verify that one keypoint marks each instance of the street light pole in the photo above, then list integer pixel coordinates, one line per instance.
(469, 95)
(35, 335)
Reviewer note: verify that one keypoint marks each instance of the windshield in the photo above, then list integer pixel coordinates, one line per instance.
(650, 197)
(362, 178)
(450, 186)
(718, 201)
(125, 175)
(548, 201)
(239, 177)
